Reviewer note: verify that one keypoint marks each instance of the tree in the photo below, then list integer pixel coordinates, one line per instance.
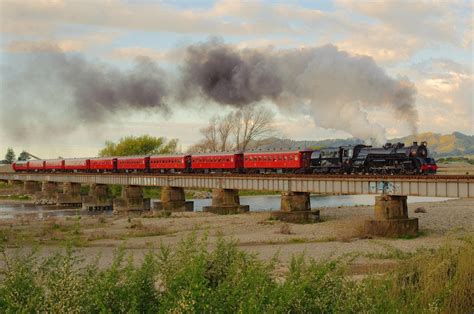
(10, 155)
(24, 156)
(237, 130)
(252, 124)
(139, 145)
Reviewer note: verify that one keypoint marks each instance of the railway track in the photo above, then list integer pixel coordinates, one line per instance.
(272, 175)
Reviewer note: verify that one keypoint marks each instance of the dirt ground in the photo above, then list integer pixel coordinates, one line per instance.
(338, 234)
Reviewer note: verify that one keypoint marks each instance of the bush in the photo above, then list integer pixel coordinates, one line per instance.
(192, 278)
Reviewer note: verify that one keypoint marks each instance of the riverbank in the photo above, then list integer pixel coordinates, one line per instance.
(339, 233)
(97, 254)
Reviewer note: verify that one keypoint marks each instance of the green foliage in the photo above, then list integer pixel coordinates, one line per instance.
(139, 145)
(190, 278)
(115, 190)
(151, 192)
(10, 155)
(24, 156)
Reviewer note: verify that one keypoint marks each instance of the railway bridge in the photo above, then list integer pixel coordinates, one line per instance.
(391, 215)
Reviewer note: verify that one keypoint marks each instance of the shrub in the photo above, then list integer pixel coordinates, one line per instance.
(192, 278)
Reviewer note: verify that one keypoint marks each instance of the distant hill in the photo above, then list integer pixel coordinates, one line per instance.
(440, 145)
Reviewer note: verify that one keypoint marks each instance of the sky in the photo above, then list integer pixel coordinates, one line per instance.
(428, 45)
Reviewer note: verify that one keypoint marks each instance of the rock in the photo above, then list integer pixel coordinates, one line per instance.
(420, 210)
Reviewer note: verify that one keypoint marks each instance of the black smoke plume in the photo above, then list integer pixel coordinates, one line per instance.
(337, 89)
(50, 91)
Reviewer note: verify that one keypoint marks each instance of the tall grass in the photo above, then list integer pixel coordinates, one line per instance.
(192, 278)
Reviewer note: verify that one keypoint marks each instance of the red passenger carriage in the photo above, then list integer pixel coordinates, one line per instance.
(108, 164)
(54, 165)
(164, 163)
(132, 163)
(218, 161)
(286, 161)
(36, 165)
(77, 164)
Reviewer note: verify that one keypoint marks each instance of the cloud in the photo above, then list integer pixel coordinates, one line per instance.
(224, 18)
(131, 53)
(446, 97)
(388, 31)
(72, 44)
(33, 17)
(382, 44)
(436, 21)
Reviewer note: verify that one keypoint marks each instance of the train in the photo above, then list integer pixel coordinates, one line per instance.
(359, 159)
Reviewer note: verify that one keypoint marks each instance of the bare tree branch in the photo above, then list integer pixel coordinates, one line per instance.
(247, 125)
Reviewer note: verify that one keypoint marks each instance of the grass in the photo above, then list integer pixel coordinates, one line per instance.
(15, 197)
(192, 278)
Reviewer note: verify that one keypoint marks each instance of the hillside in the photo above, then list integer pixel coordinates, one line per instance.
(455, 144)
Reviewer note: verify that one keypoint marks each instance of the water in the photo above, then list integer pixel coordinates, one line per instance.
(40, 211)
(256, 203)
(272, 202)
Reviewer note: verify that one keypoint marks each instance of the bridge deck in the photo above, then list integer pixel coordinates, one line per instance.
(439, 186)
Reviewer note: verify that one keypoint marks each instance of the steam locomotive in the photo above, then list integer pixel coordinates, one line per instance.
(389, 159)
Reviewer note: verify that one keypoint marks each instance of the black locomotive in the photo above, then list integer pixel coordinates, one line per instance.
(388, 159)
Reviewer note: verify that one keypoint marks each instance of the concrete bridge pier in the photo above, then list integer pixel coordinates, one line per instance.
(173, 200)
(98, 198)
(48, 194)
(226, 201)
(15, 182)
(31, 187)
(131, 200)
(296, 207)
(391, 218)
(71, 194)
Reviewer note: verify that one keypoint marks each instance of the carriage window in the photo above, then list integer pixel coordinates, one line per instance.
(291, 157)
(285, 158)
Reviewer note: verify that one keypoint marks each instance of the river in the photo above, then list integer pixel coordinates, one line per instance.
(256, 203)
